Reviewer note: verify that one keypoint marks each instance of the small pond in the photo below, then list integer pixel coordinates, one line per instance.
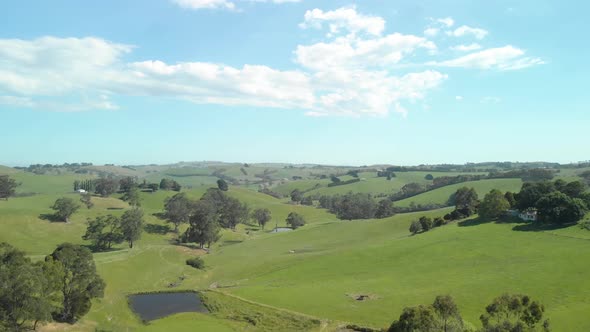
(158, 305)
(282, 229)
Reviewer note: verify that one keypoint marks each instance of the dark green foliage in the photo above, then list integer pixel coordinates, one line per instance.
(530, 193)
(86, 199)
(222, 185)
(429, 177)
(132, 197)
(438, 221)
(385, 208)
(574, 189)
(343, 183)
(334, 179)
(296, 195)
(261, 216)
(295, 220)
(177, 209)
(466, 199)
(103, 232)
(509, 196)
(307, 200)
(64, 208)
(411, 189)
(426, 223)
(169, 184)
(559, 208)
(203, 225)
(127, 183)
(416, 319)
(106, 186)
(494, 204)
(415, 227)
(447, 312)
(132, 225)
(79, 283)
(29, 292)
(353, 173)
(196, 262)
(7, 186)
(514, 313)
(354, 206)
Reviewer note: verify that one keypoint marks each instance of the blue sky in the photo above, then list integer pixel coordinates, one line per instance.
(336, 82)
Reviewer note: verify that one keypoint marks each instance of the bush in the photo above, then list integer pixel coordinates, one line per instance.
(196, 262)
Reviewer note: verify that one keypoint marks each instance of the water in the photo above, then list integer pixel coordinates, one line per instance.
(282, 229)
(158, 305)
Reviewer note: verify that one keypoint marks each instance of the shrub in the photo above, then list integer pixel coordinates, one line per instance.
(196, 262)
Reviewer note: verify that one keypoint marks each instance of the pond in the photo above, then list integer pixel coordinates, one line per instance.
(282, 229)
(158, 305)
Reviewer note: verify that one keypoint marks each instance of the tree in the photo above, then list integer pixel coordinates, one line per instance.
(177, 209)
(574, 189)
(104, 231)
(106, 186)
(132, 197)
(559, 208)
(415, 227)
(261, 216)
(426, 223)
(411, 189)
(222, 185)
(307, 200)
(415, 319)
(429, 177)
(232, 213)
(510, 198)
(203, 226)
(494, 204)
(132, 225)
(87, 200)
(513, 313)
(7, 186)
(334, 179)
(64, 208)
(295, 220)
(384, 209)
(169, 184)
(127, 183)
(354, 206)
(466, 200)
(29, 290)
(80, 282)
(296, 195)
(448, 314)
(530, 193)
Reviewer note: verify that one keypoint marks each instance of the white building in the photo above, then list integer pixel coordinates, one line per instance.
(81, 191)
(528, 215)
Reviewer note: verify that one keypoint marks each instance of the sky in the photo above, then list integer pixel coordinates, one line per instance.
(297, 81)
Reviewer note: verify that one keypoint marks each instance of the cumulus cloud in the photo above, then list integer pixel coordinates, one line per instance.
(343, 19)
(357, 70)
(501, 58)
(466, 48)
(221, 4)
(465, 30)
(447, 21)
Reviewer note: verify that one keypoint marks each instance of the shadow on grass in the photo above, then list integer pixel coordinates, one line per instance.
(157, 229)
(160, 215)
(95, 249)
(115, 208)
(230, 242)
(50, 217)
(473, 222)
(539, 227)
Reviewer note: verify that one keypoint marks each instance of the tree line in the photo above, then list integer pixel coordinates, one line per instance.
(60, 288)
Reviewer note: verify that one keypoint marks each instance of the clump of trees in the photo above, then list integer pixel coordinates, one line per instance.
(7, 187)
(494, 205)
(196, 262)
(177, 210)
(222, 185)
(351, 206)
(424, 224)
(169, 184)
(61, 287)
(295, 220)
(261, 216)
(506, 313)
(105, 231)
(64, 208)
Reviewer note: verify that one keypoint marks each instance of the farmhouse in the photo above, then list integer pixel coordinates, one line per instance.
(528, 215)
(81, 191)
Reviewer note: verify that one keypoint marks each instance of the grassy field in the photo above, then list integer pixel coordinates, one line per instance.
(307, 279)
(482, 187)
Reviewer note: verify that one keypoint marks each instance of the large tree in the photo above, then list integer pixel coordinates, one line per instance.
(513, 312)
(132, 225)
(222, 185)
(494, 204)
(295, 220)
(261, 216)
(559, 208)
(132, 197)
(7, 186)
(64, 208)
(106, 186)
(447, 312)
(80, 282)
(29, 291)
(296, 195)
(177, 209)
(384, 208)
(416, 319)
(466, 200)
(203, 226)
(530, 193)
(104, 231)
(230, 212)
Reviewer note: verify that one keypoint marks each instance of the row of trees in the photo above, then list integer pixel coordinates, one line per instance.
(106, 186)
(59, 288)
(506, 313)
(104, 231)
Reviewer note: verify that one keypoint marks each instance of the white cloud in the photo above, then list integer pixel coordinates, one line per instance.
(465, 30)
(431, 32)
(466, 48)
(345, 18)
(501, 58)
(205, 4)
(459, 98)
(447, 21)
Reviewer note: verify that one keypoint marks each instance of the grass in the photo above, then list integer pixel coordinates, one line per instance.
(303, 280)
(442, 195)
